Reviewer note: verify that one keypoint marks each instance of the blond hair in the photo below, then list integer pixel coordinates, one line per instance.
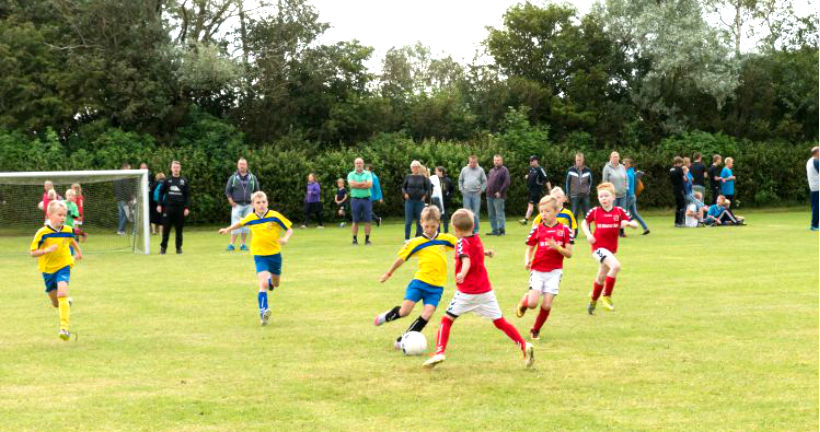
(52, 194)
(462, 220)
(430, 214)
(727, 202)
(52, 206)
(78, 189)
(557, 190)
(70, 193)
(607, 186)
(549, 200)
(259, 194)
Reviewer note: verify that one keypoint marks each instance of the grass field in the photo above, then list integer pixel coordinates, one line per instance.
(716, 330)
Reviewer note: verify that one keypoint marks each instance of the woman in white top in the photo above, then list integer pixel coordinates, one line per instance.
(436, 196)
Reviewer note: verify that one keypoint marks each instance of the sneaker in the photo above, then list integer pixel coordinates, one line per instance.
(645, 232)
(378, 221)
(535, 334)
(520, 310)
(379, 320)
(502, 233)
(265, 316)
(342, 225)
(494, 233)
(162, 251)
(303, 226)
(179, 251)
(434, 360)
(243, 248)
(608, 303)
(65, 335)
(120, 233)
(231, 248)
(523, 221)
(529, 354)
(813, 228)
(591, 307)
(320, 227)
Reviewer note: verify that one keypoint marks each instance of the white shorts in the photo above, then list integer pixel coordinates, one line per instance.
(484, 305)
(238, 212)
(601, 254)
(546, 282)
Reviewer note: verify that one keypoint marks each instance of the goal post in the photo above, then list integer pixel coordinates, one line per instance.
(107, 194)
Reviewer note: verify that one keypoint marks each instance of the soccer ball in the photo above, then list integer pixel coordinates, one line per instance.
(413, 343)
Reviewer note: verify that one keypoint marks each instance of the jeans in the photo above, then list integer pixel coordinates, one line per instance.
(122, 217)
(580, 206)
(472, 202)
(813, 196)
(632, 208)
(620, 202)
(412, 210)
(495, 209)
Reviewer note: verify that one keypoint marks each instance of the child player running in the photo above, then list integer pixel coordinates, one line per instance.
(564, 215)
(431, 250)
(473, 290)
(266, 244)
(51, 246)
(547, 245)
(608, 220)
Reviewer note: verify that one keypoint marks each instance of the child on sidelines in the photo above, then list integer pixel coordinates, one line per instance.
(564, 215)
(341, 200)
(428, 283)
(51, 246)
(80, 201)
(548, 244)
(72, 211)
(266, 243)
(608, 220)
(473, 290)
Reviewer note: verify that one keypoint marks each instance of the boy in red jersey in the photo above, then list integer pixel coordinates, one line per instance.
(548, 243)
(474, 292)
(608, 221)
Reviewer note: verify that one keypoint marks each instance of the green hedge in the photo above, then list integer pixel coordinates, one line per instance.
(769, 173)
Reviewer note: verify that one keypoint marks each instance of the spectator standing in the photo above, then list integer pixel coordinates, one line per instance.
(727, 176)
(241, 185)
(698, 170)
(688, 191)
(497, 185)
(360, 181)
(578, 185)
(437, 194)
(173, 201)
(415, 189)
(714, 176)
(472, 182)
(341, 199)
(447, 190)
(124, 193)
(375, 195)
(536, 178)
(615, 173)
(631, 198)
(676, 177)
(155, 216)
(812, 169)
(313, 201)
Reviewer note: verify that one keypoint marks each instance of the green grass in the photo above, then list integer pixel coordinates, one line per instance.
(716, 330)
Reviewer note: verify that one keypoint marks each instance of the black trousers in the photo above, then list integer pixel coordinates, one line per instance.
(313, 209)
(680, 208)
(172, 215)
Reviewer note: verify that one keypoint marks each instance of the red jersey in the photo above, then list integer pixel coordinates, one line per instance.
(79, 202)
(546, 258)
(476, 281)
(607, 226)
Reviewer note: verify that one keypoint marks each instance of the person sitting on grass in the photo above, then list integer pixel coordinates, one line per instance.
(720, 214)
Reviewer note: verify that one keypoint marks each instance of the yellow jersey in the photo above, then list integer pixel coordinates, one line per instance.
(565, 217)
(432, 256)
(61, 257)
(266, 231)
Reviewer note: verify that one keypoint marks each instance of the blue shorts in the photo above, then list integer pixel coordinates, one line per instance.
(51, 279)
(268, 263)
(361, 209)
(418, 290)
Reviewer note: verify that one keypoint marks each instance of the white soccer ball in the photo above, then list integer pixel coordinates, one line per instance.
(413, 343)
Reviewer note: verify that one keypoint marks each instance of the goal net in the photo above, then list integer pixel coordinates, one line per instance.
(113, 206)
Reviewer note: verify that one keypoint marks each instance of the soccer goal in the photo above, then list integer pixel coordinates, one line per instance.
(115, 213)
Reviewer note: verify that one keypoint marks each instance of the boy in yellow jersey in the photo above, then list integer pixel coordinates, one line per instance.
(564, 216)
(52, 247)
(266, 243)
(428, 283)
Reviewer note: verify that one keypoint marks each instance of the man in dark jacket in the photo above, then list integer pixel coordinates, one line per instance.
(578, 186)
(173, 204)
(241, 185)
(497, 185)
(676, 177)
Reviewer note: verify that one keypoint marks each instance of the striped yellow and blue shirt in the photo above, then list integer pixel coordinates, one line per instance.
(61, 257)
(432, 256)
(265, 231)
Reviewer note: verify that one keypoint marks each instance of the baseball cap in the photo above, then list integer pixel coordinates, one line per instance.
(533, 157)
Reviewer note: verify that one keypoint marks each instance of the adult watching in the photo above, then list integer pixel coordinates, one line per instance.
(812, 169)
(497, 185)
(415, 189)
(578, 185)
(360, 181)
(615, 173)
(472, 182)
(239, 188)
(173, 204)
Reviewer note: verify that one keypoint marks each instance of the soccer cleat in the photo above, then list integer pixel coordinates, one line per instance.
(529, 354)
(367, 243)
(645, 232)
(380, 319)
(591, 307)
(535, 334)
(355, 243)
(608, 303)
(162, 251)
(397, 345)
(70, 302)
(243, 248)
(434, 360)
(265, 317)
(231, 248)
(520, 310)
(65, 334)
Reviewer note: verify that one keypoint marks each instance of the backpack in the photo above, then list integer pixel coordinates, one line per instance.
(639, 187)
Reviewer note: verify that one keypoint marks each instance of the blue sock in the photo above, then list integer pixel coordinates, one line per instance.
(263, 301)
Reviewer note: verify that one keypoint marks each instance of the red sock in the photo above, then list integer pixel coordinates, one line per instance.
(609, 285)
(543, 314)
(511, 331)
(443, 334)
(596, 290)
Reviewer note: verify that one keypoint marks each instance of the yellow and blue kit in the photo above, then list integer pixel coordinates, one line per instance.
(428, 282)
(55, 266)
(265, 231)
